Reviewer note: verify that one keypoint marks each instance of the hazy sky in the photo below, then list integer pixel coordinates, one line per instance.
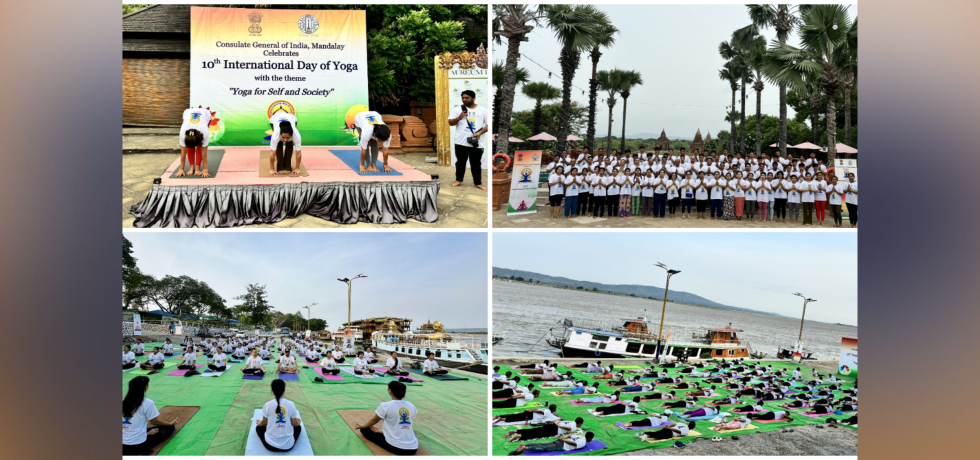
(442, 276)
(757, 270)
(675, 49)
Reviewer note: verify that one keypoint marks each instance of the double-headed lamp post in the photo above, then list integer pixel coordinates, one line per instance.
(348, 281)
(799, 341)
(664, 312)
(308, 315)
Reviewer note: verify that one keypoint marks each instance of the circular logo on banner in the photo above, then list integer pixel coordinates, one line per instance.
(308, 24)
(281, 107)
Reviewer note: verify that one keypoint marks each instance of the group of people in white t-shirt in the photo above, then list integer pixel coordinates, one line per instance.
(655, 185)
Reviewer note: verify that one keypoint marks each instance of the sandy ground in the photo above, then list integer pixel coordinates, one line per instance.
(804, 440)
(459, 207)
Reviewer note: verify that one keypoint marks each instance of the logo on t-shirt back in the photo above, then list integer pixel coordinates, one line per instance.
(281, 416)
(126, 420)
(403, 415)
(195, 118)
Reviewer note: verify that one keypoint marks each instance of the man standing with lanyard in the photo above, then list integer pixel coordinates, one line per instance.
(468, 138)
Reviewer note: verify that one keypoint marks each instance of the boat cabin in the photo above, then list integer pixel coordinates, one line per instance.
(727, 339)
(636, 326)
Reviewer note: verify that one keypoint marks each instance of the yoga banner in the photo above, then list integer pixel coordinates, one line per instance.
(848, 364)
(524, 183)
(137, 324)
(249, 64)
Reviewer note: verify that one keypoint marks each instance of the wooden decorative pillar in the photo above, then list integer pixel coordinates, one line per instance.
(394, 124)
(501, 187)
(443, 138)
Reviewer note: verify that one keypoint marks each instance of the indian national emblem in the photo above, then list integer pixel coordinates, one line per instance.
(255, 18)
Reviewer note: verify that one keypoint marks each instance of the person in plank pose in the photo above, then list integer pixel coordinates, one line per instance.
(371, 132)
(284, 141)
(193, 139)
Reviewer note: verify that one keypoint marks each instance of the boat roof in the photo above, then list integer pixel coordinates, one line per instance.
(724, 329)
(593, 331)
(634, 320)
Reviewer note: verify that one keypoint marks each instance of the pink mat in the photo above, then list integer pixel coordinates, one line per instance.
(726, 404)
(183, 371)
(787, 407)
(753, 412)
(319, 371)
(239, 166)
(817, 415)
(770, 421)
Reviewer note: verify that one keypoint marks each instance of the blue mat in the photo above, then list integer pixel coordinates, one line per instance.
(591, 446)
(351, 158)
(284, 376)
(252, 377)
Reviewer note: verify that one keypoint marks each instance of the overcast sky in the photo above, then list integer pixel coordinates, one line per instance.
(675, 49)
(757, 270)
(442, 276)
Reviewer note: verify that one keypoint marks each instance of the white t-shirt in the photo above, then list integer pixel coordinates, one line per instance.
(219, 359)
(139, 348)
(198, 119)
(390, 363)
(274, 140)
(835, 192)
(431, 365)
(807, 195)
(254, 363)
(128, 357)
(566, 426)
(794, 192)
(569, 183)
(852, 198)
(367, 121)
(684, 430)
(579, 442)
(476, 119)
(279, 430)
(284, 361)
(545, 413)
(557, 189)
(368, 355)
(359, 364)
(821, 190)
(134, 428)
(397, 423)
(156, 358)
(168, 348)
(190, 357)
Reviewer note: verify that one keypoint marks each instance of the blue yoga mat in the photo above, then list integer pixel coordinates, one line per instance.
(593, 445)
(252, 377)
(284, 377)
(351, 158)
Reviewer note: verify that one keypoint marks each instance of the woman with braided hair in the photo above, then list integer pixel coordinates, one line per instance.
(280, 426)
(284, 141)
(193, 137)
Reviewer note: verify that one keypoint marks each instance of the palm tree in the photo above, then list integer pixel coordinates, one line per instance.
(737, 54)
(576, 28)
(727, 74)
(498, 79)
(781, 18)
(609, 82)
(627, 81)
(732, 115)
(539, 91)
(605, 37)
(754, 43)
(829, 40)
(512, 22)
(849, 80)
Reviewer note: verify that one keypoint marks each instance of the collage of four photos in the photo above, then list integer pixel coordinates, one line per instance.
(436, 229)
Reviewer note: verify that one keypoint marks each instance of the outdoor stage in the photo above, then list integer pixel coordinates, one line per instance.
(333, 190)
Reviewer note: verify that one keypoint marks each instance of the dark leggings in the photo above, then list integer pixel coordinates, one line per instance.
(163, 432)
(502, 394)
(546, 431)
(659, 204)
(660, 434)
(646, 206)
(156, 366)
(437, 372)
(780, 211)
(612, 202)
(686, 205)
(583, 203)
(397, 373)
(767, 416)
(129, 366)
(496, 385)
(614, 409)
(644, 422)
(518, 417)
(598, 206)
(505, 404)
(701, 205)
(716, 208)
(330, 371)
(284, 156)
(216, 368)
(379, 439)
(260, 430)
(253, 372)
(672, 204)
(367, 372)
(186, 366)
(852, 213)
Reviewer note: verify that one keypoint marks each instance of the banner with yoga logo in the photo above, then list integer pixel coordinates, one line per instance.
(524, 183)
(848, 364)
(250, 64)
(137, 324)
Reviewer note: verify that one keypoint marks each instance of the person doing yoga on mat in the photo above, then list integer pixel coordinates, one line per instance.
(653, 420)
(338, 355)
(168, 348)
(585, 365)
(139, 347)
(603, 399)
(499, 383)
(369, 356)
(193, 139)
(736, 424)
(660, 395)
(772, 415)
(638, 388)
(284, 141)
(432, 367)
(508, 392)
(562, 443)
(702, 412)
(517, 400)
(361, 366)
(137, 412)
(689, 402)
(725, 400)
(253, 365)
(555, 428)
(671, 430)
(189, 360)
(397, 417)
(154, 361)
(542, 365)
(625, 407)
(287, 364)
(280, 426)
(329, 365)
(219, 363)
(371, 131)
(394, 365)
(580, 388)
(128, 358)
(527, 416)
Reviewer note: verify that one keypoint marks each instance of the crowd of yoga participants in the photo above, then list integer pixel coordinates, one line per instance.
(754, 188)
(687, 392)
(391, 427)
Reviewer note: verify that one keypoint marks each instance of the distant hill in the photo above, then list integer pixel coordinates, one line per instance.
(623, 289)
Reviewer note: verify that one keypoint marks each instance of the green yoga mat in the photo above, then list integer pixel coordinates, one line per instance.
(619, 440)
(214, 160)
(436, 377)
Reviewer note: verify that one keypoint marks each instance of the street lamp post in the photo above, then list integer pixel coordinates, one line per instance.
(308, 315)
(348, 281)
(799, 341)
(663, 313)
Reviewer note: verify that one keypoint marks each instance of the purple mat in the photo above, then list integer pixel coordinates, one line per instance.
(284, 377)
(592, 404)
(623, 426)
(319, 371)
(181, 372)
(594, 445)
(252, 377)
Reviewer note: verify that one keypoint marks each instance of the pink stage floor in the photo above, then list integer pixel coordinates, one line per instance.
(240, 166)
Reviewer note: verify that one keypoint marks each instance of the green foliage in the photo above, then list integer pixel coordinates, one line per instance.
(522, 122)
(126, 9)
(796, 132)
(254, 304)
(181, 295)
(801, 105)
(594, 289)
(317, 324)
(580, 288)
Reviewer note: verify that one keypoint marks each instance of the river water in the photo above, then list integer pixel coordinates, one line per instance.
(525, 313)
